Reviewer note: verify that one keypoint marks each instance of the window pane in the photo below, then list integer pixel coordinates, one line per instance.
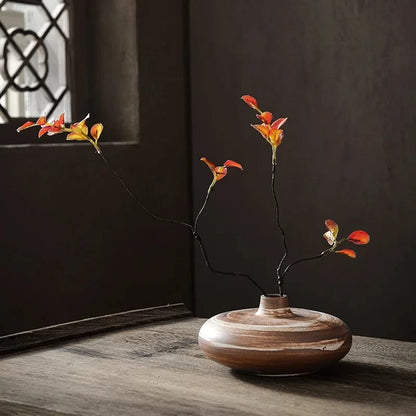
(33, 59)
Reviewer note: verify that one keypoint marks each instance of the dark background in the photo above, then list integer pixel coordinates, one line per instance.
(165, 78)
(344, 74)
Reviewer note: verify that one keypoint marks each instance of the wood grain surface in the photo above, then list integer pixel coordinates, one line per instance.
(158, 369)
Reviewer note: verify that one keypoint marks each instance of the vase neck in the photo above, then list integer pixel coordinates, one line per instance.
(274, 306)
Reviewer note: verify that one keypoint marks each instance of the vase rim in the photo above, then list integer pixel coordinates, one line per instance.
(273, 295)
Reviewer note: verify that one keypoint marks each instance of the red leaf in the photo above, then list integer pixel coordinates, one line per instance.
(265, 117)
(61, 119)
(250, 101)
(209, 164)
(347, 252)
(25, 126)
(332, 226)
(231, 163)
(359, 237)
(278, 123)
(44, 130)
(41, 121)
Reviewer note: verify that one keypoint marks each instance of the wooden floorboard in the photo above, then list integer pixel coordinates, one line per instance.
(158, 369)
(16, 409)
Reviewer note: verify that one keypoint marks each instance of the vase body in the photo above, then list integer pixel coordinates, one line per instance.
(275, 339)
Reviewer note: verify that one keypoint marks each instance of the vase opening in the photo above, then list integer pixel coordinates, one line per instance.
(274, 305)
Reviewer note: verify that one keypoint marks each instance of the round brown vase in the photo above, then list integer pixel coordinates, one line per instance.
(275, 339)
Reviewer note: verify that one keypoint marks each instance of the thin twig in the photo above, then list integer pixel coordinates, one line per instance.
(324, 253)
(127, 188)
(195, 226)
(189, 226)
(236, 274)
(282, 231)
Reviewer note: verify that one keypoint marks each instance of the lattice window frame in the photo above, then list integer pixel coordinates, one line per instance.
(76, 30)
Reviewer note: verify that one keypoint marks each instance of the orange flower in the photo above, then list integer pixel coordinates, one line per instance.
(220, 172)
(272, 132)
(358, 237)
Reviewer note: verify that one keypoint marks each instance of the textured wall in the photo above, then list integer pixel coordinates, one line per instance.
(343, 71)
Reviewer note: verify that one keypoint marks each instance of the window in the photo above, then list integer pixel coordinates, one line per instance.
(34, 69)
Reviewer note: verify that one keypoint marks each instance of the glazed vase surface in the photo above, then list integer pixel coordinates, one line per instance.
(275, 339)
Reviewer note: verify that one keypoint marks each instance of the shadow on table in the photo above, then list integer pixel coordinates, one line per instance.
(346, 381)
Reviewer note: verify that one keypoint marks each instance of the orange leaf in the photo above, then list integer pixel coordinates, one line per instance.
(276, 137)
(359, 237)
(265, 117)
(25, 126)
(41, 121)
(250, 101)
(80, 124)
(96, 130)
(263, 129)
(61, 119)
(347, 252)
(75, 136)
(231, 163)
(209, 164)
(332, 226)
(279, 123)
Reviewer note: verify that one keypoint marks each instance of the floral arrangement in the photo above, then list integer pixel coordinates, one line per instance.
(272, 132)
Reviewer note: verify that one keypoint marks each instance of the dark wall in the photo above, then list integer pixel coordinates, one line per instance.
(73, 243)
(344, 73)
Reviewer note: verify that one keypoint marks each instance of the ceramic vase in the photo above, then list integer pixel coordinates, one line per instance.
(275, 339)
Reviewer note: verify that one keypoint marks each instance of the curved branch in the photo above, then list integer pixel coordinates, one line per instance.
(195, 226)
(236, 274)
(130, 192)
(192, 228)
(324, 253)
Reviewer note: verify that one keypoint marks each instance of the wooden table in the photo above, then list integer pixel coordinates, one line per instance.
(158, 369)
